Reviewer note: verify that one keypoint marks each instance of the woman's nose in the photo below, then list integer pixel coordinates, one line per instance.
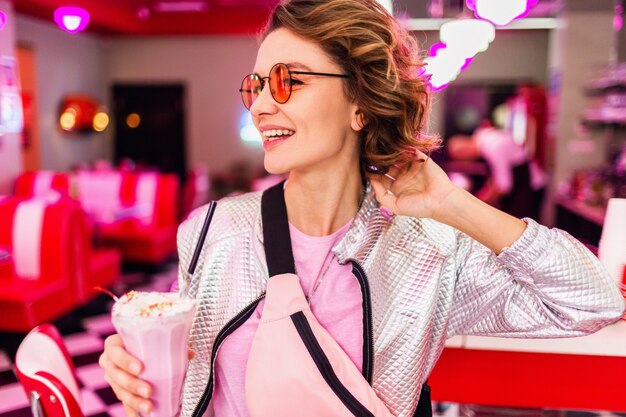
(264, 103)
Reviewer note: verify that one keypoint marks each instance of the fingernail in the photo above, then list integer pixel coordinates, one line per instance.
(386, 213)
(135, 367)
(144, 407)
(144, 392)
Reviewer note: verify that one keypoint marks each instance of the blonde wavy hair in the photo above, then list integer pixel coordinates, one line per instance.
(386, 73)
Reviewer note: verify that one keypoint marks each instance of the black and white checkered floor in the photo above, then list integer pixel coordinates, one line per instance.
(84, 333)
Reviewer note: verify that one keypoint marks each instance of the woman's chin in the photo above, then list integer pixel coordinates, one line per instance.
(275, 169)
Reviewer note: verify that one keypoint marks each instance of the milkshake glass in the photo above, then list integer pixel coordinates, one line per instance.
(154, 327)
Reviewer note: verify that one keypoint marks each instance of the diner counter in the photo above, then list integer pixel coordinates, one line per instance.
(585, 373)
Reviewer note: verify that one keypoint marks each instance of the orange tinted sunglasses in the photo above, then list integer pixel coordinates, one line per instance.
(280, 80)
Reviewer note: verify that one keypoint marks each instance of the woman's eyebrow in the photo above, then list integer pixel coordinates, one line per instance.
(298, 66)
(291, 65)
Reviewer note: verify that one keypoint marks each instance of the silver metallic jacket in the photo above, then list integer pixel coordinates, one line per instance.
(426, 282)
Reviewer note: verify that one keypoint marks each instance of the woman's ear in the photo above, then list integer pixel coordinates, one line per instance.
(357, 121)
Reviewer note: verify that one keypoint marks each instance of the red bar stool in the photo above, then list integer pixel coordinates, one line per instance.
(49, 379)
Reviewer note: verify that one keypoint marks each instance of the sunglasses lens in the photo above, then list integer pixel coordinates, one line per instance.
(250, 89)
(280, 83)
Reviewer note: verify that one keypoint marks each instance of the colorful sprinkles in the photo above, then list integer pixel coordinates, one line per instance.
(151, 304)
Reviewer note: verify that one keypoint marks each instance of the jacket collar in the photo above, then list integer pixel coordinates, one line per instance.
(367, 221)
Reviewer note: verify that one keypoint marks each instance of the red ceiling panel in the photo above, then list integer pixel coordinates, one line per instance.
(122, 17)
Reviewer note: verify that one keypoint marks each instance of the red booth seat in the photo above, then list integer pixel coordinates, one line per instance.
(195, 191)
(41, 183)
(51, 268)
(135, 212)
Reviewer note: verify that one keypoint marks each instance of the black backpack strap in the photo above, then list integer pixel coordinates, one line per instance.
(276, 237)
(424, 406)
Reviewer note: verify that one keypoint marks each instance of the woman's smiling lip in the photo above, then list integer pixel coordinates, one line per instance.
(267, 144)
(281, 134)
(273, 127)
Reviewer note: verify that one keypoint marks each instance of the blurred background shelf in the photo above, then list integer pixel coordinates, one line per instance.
(580, 219)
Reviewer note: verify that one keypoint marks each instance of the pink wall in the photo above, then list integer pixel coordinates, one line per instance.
(65, 64)
(211, 68)
(10, 143)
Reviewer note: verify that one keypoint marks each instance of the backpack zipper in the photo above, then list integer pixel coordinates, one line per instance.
(243, 315)
(325, 368)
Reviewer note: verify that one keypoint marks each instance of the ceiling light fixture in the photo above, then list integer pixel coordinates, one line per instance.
(71, 19)
(143, 13)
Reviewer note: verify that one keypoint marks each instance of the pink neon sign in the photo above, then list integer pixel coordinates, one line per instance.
(443, 66)
(71, 19)
(3, 19)
(500, 12)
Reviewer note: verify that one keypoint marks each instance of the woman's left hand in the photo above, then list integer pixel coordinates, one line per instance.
(418, 189)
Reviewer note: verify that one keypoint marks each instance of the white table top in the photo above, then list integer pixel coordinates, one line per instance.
(610, 341)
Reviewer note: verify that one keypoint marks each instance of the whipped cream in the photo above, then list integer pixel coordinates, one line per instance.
(151, 304)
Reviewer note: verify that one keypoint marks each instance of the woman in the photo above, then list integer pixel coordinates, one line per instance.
(516, 184)
(392, 262)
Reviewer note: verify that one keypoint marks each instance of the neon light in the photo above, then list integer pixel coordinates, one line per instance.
(443, 66)
(71, 19)
(3, 19)
(500, 12)
(466, 64)
(467, 37)
(618, 21)
(436, 47)
(248, 133)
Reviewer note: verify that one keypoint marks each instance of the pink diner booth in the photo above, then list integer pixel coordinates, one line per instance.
(47, 263)
(41, 183)
(135, 212)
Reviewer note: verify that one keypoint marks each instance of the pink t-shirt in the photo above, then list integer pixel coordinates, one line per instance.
(336, 303)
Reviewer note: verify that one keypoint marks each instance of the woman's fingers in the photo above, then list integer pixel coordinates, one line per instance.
(421, 156)
(117, 354)
(384, 196)
(128, 382)
(130, 412)
(410, 179)
(120, 371)
(135, 403)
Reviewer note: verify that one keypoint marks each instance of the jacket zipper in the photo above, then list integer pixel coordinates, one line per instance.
(368, 357)
(325, 368)
(230, 327)
(368, 338)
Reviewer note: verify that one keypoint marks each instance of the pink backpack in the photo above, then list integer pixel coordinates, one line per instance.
(295, 367)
